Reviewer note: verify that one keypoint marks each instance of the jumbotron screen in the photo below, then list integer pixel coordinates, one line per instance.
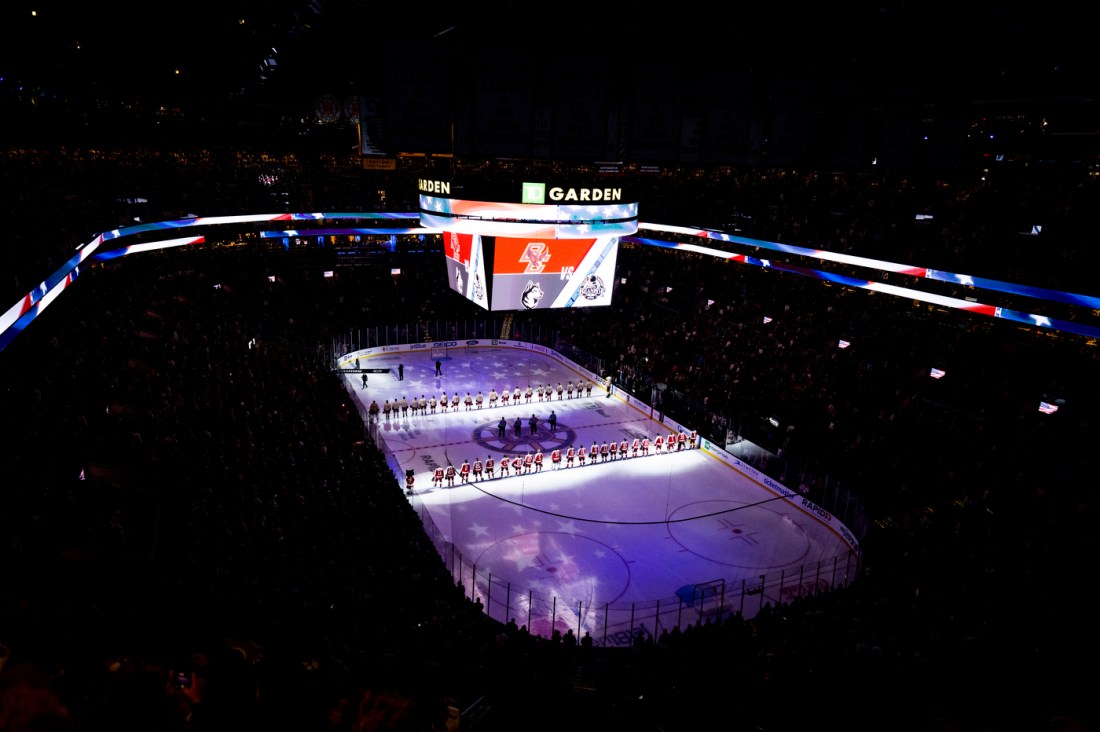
(466, 267)
(531, 273)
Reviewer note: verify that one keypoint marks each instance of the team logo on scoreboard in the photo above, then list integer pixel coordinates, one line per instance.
(479, 289)
(592, 288)
(532, 293)
(537, 254)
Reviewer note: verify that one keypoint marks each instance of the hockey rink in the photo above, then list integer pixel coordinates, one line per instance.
(679, 533)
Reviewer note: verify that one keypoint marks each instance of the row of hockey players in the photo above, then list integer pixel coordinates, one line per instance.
(532, 462)
(429, 405)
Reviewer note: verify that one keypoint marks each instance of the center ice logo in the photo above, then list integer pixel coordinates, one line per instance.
(488, 437)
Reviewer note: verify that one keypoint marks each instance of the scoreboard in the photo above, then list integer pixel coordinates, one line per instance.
(507, 255)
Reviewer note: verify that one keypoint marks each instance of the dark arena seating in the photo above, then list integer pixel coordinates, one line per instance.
(198, 532)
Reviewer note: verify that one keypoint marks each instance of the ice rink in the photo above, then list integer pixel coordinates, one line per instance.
(664, 538)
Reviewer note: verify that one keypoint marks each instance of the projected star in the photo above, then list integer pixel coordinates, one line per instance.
(518, 528)
(480, 530)
(523, 560)
(567, 527)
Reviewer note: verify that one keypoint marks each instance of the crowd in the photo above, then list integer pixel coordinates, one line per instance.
(199, 533)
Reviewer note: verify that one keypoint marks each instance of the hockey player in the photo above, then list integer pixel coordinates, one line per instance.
(404, 407)
(538, 460)
(555, 457)
(614, 450)
(490, 465)
(431, 403)
(469, 402)
(587, 389)
(443, 402)
(480, 401)
(516, 395)
(528, 394)
(517, 465)
(634, 447)
(538, 392)
(477, 468)
(386, 409)
(594, 452)
(492, 397)
(528, 463)
(450, 475)
(659, 444)
(505, 464)
(437, 476)
(464, 471)
(645, 446)
(693, 441)
(569, 390)
(581, 455)
(605, 451)
(422, 405)
(622, 448)
(561, 389)
(454, 401)
(569, 455)
(505, 395)
(410, 479)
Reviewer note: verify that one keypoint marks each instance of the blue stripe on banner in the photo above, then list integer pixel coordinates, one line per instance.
(613, 241)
